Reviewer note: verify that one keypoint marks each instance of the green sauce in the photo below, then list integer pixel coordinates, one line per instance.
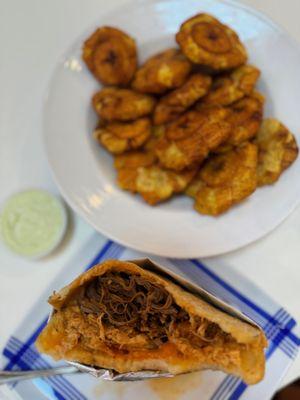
(32, 223)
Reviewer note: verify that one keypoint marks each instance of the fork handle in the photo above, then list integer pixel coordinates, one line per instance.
(16, 376)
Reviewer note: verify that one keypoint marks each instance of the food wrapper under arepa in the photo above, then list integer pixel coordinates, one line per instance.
(125, 318)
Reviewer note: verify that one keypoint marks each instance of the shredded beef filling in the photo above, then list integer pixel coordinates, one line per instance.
(132, 306)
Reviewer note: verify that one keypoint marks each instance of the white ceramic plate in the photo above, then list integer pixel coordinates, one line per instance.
(84, 173)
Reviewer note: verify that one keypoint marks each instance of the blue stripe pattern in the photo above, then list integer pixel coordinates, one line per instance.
(277, 328)
(32, 360)
(222, 289)
(25, 356)
(235, 386)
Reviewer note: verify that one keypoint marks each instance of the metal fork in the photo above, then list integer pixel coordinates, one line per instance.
(105, 374)
(16, 376)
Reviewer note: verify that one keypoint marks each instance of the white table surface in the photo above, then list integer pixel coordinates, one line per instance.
(33, 34)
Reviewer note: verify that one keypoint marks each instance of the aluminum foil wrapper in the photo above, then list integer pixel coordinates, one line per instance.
(111, 375)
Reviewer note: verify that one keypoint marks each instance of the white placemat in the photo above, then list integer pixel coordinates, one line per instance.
(278, 324)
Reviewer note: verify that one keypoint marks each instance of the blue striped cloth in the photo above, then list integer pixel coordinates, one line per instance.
(279, 326)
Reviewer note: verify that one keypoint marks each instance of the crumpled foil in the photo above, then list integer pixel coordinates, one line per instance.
(111, 375)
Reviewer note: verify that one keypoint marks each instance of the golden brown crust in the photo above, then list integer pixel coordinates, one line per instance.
(111, 56)
(245, 118)
(113, 104)
(129, 130)
(228, 88)
(206, 41)
(178, 101)
(164, 71)
(139, 174)
(224, 180)
(126, 179)
(158, 131)
(181, 154)
(110, 142)
(155, 184)
(245, 358)
(118, 137)
(277, 150)
(134, 159)
(189, 139)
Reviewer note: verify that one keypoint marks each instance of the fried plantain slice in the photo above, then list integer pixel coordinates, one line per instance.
(157, 132)
(219, 170)
(185, 125)
(213, 201)
(126, 179)
(153, 183)
(225, 180)
(181, 154)
(111, 56)
(130, 130)
(109, 141)
(245, 118)
(228, 88)
(178, 101)
(206, 41)
(164, 71)
(190, 138)
(113, 104)
(277, 150)
(193, 120)
(118, 137)
(134, 160)
(193, 188)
